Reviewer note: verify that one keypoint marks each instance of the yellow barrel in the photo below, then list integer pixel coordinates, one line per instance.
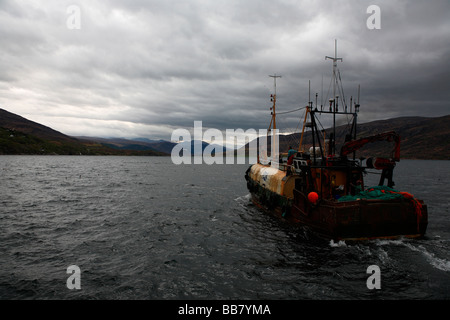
(273, 179)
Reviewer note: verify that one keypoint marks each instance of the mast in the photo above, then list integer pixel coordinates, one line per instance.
(274, 99)
(333, 101)
(300, 147)
(273, 121)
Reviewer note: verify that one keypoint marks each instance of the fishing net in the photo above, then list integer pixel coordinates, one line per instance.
(386, 193)
(377, 192)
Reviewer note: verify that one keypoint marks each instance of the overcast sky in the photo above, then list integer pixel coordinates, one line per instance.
(144, 68)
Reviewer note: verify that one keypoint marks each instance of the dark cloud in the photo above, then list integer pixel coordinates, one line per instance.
(144, 68)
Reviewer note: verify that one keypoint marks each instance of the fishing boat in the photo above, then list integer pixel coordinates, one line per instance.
(321, 187)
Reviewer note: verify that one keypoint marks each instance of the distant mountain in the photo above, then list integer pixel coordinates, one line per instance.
(190, 145)
(213, 148)
(141, 144)
(147, 140)
(155, 145)
(421, 137)
(163, 146)
(19, 135)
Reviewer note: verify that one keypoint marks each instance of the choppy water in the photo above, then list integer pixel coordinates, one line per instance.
(143, 228)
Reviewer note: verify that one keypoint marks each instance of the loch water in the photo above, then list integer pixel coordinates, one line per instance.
(144, 228)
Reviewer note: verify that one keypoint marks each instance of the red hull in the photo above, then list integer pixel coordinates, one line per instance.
(354, 220)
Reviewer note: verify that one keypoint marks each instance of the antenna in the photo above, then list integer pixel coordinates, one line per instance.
(359, 86)
(357, 104)
(275, 82)
(321, 96)
(309, 94)
(335, 60)
(316, 100)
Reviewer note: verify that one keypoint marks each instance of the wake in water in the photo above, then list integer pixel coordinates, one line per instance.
(244, 200)
(435, 261)
(340, 243)
(438, 263)
(432, 259)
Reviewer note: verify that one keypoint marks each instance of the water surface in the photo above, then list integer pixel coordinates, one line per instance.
(143, 228)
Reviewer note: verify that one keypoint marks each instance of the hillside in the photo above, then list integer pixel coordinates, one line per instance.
(16, 123)
(19, 135)
(139, 144)
(421, 138)
(143, 144)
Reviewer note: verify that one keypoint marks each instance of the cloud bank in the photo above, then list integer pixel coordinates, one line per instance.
(144, 68)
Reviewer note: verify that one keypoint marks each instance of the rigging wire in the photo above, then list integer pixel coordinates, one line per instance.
(288, 134)
(317, 119)
(341, 90)
(284, 112)
(329, 88)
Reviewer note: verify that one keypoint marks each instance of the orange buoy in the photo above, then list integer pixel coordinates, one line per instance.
(313, 197)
